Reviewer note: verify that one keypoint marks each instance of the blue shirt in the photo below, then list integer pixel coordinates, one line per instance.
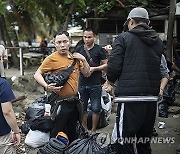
(6, 95)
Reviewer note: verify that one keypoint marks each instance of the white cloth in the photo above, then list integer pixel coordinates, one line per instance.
(3, 53)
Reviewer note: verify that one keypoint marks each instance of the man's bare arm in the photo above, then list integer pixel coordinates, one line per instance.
(10, 116)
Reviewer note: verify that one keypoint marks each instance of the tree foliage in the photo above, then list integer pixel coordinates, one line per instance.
(44, 17)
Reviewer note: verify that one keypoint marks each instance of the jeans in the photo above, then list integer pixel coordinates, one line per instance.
(92, 93)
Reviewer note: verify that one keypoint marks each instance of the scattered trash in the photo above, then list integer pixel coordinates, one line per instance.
(175, 116)
(13, 78)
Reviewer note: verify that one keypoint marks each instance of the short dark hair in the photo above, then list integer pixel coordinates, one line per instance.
(138, 20)
(90, 29)
(60, 32)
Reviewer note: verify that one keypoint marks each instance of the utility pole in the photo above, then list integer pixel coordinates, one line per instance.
(172, 12)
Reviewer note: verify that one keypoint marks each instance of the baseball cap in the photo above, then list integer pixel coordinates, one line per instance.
(137, 12)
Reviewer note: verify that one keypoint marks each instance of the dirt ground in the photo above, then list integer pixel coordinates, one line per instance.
(170, 132)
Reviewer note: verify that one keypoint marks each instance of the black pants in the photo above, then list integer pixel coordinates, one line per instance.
(135, 122)
(66, 120)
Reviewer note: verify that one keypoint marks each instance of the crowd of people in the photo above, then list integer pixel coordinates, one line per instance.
(135, 67)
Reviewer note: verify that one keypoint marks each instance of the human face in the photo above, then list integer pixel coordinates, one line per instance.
(62, 44)
(89, 38)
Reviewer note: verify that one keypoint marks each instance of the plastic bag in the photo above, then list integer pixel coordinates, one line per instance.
(89, 145)
(106, 106)
(36, 138)
(54, 146)
(25, 127)
(177, 86)
(169, 92)
(106, 103)
(163, 108)
(37, 108)
(44, 124)
(102, 120)
(110, 149)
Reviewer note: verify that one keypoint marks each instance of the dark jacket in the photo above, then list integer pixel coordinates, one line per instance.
(135, 62)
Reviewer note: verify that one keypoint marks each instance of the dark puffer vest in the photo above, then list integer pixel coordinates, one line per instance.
(135, 62)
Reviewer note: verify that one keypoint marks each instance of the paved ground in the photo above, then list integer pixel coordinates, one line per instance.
(171, 130)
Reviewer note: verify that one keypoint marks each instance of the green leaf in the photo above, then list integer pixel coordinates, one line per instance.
(68, 1)
(2, 7)
(81, 3)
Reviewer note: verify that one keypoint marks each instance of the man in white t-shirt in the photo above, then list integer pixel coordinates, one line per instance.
(3, 59)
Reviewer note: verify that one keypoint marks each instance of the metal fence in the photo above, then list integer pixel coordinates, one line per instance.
(26, 53)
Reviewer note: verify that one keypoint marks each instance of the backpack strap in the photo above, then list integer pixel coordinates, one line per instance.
(89, 56)
(70, 68)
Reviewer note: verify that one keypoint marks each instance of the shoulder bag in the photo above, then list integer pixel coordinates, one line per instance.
(61, 77)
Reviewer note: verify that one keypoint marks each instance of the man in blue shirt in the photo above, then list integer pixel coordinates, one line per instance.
(8, 140)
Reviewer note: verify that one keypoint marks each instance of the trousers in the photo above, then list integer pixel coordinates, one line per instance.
(135, 122)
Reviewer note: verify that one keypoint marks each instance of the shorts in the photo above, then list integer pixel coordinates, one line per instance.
(92, 94)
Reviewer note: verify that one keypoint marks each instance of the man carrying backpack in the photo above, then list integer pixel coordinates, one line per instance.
(67, 117)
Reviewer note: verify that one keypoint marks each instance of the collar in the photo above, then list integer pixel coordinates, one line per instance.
(90, 47)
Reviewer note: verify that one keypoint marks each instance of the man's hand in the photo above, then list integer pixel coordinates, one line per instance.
(92, 69)
(52, 87)
(108, 87)
(86, 69)
(16, 138)
(79, 56)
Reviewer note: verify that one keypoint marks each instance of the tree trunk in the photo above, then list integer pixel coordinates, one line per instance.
(96, 24)
(69, 15)
(172, 12)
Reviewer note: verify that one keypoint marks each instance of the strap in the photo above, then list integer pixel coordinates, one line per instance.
(89, 56)
(70, 68)
(72, 65)
(74, 62)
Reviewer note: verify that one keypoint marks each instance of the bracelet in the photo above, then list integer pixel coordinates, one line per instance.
(162, 89)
